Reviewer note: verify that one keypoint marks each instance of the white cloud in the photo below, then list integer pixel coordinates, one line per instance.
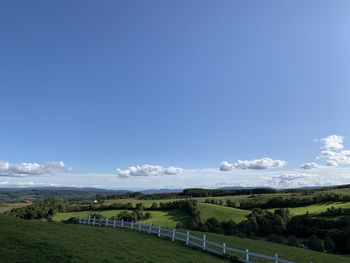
(308, 166)
(333, 143)
(257, 164)
(225, 166)
(331, 163)
(292, 180)
(148, 170)
(29, 169)
(333, 151)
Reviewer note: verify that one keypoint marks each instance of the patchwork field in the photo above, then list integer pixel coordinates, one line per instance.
(222, 213)
(316, 208)
(42, 242)
(52, 242)
(163, 218)
(295, 254)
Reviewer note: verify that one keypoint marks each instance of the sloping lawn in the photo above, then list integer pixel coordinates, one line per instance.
(42, 242)
(222, 213)
(163, 218)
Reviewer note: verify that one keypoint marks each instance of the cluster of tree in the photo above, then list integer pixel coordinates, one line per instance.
(214, 201)
(132, 216)
(102, 197)
(295, 201)
(114, 206)
(40, 209)
(279, 226)
(231, 203)
(316, 234)
(125, 215)
(199, 192)
(335, 212)
(160, 196)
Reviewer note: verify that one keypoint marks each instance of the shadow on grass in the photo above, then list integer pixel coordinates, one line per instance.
(178, 215)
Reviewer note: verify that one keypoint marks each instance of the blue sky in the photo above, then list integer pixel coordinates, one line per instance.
(107, 85)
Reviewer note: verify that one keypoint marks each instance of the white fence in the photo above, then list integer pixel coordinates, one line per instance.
(195, 241)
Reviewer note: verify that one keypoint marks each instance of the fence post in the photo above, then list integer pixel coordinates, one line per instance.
(132, 225)
(114, 223)
(106, 222)
(173, 236)
(140, 226)
(224, 248)
(187, 237)
(246, 255)
(204, 241)
(122, 223)
(89, 220)
(158, 231)
(93, 221)
(150, 229)
(276, 258)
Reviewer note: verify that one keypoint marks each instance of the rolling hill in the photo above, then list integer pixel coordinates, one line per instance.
(37, 241)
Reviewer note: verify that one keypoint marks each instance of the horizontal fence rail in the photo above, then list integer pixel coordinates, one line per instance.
(190, 240)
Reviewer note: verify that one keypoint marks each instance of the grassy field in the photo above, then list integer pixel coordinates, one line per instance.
(53, 242)
(222, 213)
(42, 242)
(237, 198)
(316, 208)
(295, 254)
(8, 206)
(163, 218)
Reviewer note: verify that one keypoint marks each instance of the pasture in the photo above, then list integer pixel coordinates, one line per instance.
(298, 255)
(316, 208)
(42, 242)
(222, 213)
(163, 218)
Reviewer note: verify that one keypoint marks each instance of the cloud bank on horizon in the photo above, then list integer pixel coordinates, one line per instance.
(30, 169)
(264, 172)
(257, 164)
(148, 170)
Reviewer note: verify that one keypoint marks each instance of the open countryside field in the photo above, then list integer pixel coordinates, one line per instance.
(236, 198)
(222, 213)
(52, 242)
(163, 218)
(42, 242)
(295, 254)
(316, 208)
(134, 201)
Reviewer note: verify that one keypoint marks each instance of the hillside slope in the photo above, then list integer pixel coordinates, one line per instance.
(35, 241)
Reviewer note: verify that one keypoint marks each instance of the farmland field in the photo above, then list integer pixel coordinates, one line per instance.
(134, 201)
(222, 213)
(295, 254)
(163, 218)
(316, 208)
(42, 242)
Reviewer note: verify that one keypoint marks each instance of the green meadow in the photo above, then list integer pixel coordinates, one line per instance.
(316, 208)
(163, 218)
(222, 213)
(38, 241)
(295, 254)
(42, 242)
